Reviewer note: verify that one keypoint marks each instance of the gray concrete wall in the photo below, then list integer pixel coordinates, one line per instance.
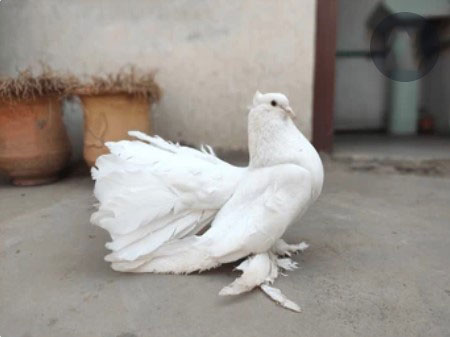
(211, 55)
(360, 101)
(362, 92)
(352, 24)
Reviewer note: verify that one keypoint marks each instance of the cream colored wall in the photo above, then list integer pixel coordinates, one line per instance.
(211, 55)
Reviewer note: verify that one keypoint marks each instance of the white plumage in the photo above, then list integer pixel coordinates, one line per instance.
(156, 198)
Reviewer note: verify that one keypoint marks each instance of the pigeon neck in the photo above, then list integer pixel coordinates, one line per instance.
(271, 134)
(273, 139)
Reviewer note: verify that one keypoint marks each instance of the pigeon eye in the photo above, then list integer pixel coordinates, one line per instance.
(273, 103)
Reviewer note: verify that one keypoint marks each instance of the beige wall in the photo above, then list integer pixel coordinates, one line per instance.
(211, 55)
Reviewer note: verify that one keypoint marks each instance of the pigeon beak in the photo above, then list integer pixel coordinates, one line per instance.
(289, 111)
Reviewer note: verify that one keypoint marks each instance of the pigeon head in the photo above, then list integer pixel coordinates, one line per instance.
(273, 101)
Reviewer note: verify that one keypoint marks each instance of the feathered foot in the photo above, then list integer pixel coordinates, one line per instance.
(282, 248)
(256, 270)
(276, 295)
(262, 270)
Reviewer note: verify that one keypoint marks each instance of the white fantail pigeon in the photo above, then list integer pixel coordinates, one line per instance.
(174, 209)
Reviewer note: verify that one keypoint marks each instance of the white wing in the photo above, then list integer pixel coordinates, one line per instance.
(259, 212)
(264, 204)
(154, 191)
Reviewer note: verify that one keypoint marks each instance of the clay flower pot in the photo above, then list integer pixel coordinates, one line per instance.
(34, 146)
(109, 117)
(113, 105)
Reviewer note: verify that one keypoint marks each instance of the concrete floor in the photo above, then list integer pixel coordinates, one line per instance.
(378, 265)
(385, 147)
(421, 155)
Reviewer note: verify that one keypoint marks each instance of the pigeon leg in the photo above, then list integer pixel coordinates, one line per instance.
(256, 270)
(282, 248)
(262, 270)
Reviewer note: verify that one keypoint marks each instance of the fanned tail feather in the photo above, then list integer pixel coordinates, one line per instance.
(182, 256)
(152, 194)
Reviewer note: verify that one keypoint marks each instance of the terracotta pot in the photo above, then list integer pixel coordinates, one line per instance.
(34, 146)
(109, 118)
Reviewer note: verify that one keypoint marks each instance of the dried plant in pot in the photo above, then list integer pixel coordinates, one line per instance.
(34, 146)
(113, 105)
